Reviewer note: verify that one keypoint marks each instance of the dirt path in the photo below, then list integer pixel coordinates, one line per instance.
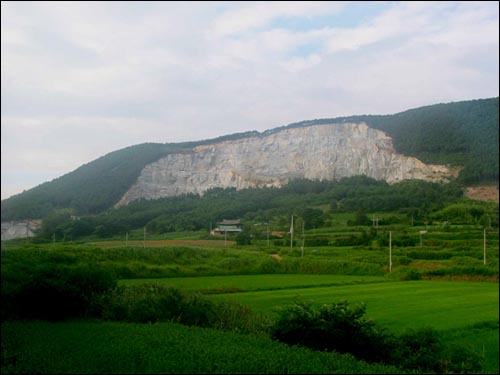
(277, 257)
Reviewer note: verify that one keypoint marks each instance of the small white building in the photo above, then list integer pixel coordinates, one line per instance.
(227, 226)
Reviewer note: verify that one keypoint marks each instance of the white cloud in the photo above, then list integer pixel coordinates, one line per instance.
(297, 64)
(80, 79)
(251, 16)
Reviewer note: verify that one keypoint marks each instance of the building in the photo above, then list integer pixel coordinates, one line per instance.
(227, 226)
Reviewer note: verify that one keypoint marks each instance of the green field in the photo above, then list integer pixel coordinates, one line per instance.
(443, 284)
(163, 348)
(402, 304)
(457, 308)
(256, 282)
(398, 305)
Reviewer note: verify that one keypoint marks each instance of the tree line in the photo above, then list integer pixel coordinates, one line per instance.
(313, 201)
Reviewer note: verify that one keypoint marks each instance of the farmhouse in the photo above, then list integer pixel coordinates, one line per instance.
(227, 226)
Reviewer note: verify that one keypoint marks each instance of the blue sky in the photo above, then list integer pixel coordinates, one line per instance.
(81, 79)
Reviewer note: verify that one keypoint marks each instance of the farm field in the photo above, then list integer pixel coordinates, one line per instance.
(161, 243)
(398, 305)
(162, 348)
(243, 283)
(454, 307)
(442, 284)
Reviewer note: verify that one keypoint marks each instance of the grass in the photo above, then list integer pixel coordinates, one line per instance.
(167, 348)
(484, 338)
(162, 243)
(398, 305)
(256, 282)
(457, 308)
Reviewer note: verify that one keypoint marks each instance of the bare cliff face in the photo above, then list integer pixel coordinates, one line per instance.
(320, 152)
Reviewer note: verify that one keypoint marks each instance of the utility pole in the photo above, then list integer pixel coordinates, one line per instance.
(303, 237)
(291, 237)
(484, 247)
(390, 251)
(422, 232)
(267, 234)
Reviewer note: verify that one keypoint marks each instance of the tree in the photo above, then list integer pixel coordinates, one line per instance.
(53, 223)
(313, 218)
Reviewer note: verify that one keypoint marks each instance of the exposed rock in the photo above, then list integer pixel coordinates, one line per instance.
(320, 152)
(19, 229)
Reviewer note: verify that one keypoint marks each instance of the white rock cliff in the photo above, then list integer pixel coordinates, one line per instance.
(319, 152)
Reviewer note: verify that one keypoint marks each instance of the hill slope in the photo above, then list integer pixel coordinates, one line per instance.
(462, 133)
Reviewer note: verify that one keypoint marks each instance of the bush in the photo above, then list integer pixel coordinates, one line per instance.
(337, 327)
(423, 350)
(318, 241)
(340, 327)
(56, 293)
(151, 303)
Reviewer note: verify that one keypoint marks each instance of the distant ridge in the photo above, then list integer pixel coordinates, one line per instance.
(464, 133)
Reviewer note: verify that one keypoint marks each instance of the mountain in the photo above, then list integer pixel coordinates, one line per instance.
(459, 136)
(314, 152)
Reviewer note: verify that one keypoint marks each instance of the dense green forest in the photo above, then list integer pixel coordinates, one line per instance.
(461, 133)
(315, 202)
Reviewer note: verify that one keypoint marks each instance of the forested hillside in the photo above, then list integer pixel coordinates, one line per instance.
(90, 189)
(462, 133)
(315, 202)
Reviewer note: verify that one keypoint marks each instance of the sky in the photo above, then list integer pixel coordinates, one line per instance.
(82, 79)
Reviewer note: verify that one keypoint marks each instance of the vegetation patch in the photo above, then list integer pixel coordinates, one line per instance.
(341, 327)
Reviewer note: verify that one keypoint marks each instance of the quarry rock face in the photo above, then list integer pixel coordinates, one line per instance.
(19, 229)
(319, 152)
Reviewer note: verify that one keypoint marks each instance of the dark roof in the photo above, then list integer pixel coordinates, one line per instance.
(230, 222)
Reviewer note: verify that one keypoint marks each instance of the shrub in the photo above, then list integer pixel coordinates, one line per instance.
(56, 293)
(423, 350)
(318, 241)
(340, 327)
(151, 303)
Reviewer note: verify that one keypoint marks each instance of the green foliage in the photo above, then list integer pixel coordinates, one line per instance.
(405, 274)
(54, 292)
(54, 223)
(312, 217)
(360, 219)
(163, 348)
(423, 350)
(92, 188)
(459, 133)
(244, 237)
(341, 327)
(462, 133)
(270, 205)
